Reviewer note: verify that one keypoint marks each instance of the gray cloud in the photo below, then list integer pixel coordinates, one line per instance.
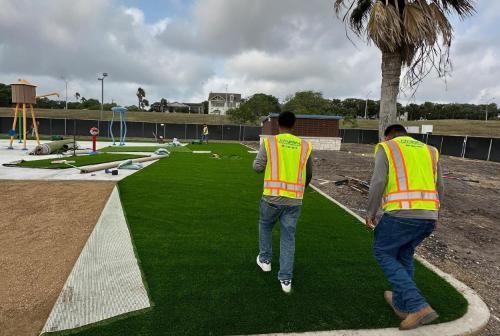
(277, 46)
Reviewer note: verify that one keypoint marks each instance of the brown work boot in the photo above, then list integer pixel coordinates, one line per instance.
(424, 316)
(388, 299)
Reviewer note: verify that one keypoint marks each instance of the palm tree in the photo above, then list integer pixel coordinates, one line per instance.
(411, 34)
(140, 96)
(77, 96)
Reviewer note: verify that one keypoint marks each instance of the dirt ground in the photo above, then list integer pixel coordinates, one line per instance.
(466, 242)
(43, 228)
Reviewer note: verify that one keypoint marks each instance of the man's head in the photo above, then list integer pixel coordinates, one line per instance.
(286, 121)
(394, 131)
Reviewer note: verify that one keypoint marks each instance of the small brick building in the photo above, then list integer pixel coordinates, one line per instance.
(322, 131)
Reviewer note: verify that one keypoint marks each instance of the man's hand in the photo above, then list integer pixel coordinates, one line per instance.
(370, 223)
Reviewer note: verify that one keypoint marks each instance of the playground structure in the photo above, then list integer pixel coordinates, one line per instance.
(23, 95)
(123, 125)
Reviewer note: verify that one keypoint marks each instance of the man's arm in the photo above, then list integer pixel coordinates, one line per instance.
(309, 170)
(377, 184)
(259, 164)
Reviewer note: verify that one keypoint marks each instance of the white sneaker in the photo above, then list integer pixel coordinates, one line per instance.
(286, 285)
(264, 265)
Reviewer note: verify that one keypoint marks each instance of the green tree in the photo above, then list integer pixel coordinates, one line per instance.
(5, 95)
(308, 102)
(144, 104)
(163, 104)
(414, 34)
(260, 104)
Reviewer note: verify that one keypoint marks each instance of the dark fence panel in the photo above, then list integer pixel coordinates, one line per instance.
(369, 137)
(351, 135)
(495, 150)
(5, 124)
(419, 137)
(452, 145)
(250, 133)
(173, 131)
(192, 131)
(436, 141)
(477, 148)
(58, 126)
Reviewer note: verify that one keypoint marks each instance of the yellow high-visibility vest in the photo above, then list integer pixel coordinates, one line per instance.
(285, 173)
(412, 175)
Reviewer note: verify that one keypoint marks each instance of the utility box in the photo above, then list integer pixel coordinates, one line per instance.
(23, 92)
(413, 129)
(426, 129)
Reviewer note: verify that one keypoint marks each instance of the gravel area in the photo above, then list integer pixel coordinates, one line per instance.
(43, 228)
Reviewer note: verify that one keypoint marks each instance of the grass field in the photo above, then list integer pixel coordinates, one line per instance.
(447, 127)
(196, 240)
(171, 118)
(82, 160)
(117, 149)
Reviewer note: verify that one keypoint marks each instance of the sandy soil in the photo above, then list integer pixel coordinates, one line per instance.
(466, 243)
(43, 228)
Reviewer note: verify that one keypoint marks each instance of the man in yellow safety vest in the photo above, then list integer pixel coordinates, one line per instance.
(286, 160)
(407, 183)
(204, 134)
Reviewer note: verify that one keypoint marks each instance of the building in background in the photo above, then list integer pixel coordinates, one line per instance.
(220, 103)
(322, 131)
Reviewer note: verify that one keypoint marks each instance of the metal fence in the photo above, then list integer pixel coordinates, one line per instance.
(68, 127)
(478, 148)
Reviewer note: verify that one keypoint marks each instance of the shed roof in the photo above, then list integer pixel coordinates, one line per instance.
(22, 82)
(309, 116)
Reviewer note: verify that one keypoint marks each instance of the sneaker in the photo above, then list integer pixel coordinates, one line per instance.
(388, 299)
(286, 285)
(264, 265)
(414, 320)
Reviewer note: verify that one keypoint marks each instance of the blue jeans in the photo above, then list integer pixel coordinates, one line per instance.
(288, 216)
(204, 138)
(394, 246)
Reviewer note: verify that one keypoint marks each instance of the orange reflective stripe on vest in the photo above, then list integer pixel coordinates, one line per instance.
(401, 174)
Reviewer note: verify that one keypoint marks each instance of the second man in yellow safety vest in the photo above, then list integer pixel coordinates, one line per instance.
(286, 161)
(407, 183)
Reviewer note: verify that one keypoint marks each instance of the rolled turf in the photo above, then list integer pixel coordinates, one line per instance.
(196, 240)
(80, 160)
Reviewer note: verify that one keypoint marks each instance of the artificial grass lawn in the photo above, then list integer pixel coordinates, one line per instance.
(116, 149)
(196, 238)
(80, 160)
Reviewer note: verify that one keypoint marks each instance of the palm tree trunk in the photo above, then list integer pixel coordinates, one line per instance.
(391, 73)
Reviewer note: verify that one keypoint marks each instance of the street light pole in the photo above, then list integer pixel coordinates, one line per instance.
(366, 105)
(66, 84)
(489, 101)
(104, 75)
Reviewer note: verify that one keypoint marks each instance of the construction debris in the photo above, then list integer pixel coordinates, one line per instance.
(354, 183)
(452, 176)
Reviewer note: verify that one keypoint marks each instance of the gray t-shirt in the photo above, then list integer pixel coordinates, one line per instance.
(259, 165)
(377, 187)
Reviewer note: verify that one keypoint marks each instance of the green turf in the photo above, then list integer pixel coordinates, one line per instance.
(82, 160)
(196, 240)
(116, 149)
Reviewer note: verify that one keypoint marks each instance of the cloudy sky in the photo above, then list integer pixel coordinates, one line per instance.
(183, 49)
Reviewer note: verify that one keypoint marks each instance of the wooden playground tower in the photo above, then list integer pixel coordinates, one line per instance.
(23, 95)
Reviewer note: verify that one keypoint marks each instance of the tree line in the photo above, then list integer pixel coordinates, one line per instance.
(311, 102)
(303, 102)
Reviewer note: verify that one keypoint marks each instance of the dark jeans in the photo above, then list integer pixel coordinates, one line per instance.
(288, 216)
(204, 138)
(394, 247)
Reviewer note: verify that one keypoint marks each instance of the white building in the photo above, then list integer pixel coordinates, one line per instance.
(220, 103)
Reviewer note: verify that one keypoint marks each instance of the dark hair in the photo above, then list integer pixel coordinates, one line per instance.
(395, 129)
(286, 119)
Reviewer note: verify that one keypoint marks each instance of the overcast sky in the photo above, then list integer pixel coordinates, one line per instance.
(182, 49)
